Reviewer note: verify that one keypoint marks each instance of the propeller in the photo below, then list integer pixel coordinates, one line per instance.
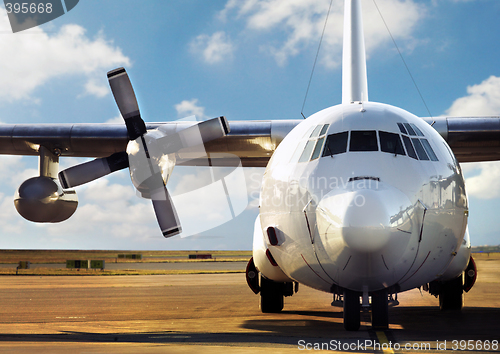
(144, 153)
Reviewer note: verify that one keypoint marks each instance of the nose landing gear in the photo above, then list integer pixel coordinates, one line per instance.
(380, 309)
(352, 309)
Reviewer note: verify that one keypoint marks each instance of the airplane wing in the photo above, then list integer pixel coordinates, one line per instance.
(253, 142)
(472, 139)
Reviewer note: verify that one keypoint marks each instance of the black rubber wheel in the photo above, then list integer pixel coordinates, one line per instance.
(451, 295)
(352, 309)
(271, 296)
(380, 309)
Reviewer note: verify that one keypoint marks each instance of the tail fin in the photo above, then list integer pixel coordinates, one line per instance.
(354, 82)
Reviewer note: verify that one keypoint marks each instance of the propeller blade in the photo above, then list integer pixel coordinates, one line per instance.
(195, 135)
(127, 103)
(165, 212)
(92, 170)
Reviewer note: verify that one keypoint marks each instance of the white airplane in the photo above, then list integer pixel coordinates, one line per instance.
(362, 200)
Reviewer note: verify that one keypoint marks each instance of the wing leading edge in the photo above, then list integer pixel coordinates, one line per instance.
(253, 142)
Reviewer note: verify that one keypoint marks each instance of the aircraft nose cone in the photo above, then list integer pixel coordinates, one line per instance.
(366, 233)
(366, 222)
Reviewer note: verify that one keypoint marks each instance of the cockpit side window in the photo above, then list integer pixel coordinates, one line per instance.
(310, 148)
(307, 151)
(391, 143)
(335, 144)
(409, 148)
(324, 129)
(317, 148)
(409, 129)
(363, 140)
(316, 131)
(428, 149)
(418, 145)
(417, 131)
(422, 155)
(402, 128)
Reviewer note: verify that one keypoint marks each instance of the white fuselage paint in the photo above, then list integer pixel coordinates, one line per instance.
(362, 220)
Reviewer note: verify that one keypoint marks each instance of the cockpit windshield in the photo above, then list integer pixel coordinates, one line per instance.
(363, 140)
(411, 142)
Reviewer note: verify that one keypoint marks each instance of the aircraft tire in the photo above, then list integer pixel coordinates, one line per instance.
(380, 309)
(352, 308)
(271, 296)
(451, 295)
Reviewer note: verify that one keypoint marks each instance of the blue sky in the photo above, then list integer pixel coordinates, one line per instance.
(245, 59)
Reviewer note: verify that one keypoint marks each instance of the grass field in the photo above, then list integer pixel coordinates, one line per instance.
(60, 256)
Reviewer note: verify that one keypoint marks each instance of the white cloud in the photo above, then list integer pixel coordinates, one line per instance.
(214, 49)
(486, 184)
(189, 108)
(116, 120)
(33, 57)
(482, 100)
(301, 24)
(96, 88)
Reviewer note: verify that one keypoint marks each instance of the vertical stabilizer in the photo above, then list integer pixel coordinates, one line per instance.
(354, 82)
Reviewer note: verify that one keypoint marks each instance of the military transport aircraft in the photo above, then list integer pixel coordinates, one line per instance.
(362, 200)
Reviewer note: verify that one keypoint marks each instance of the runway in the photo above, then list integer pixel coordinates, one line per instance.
(215, 313)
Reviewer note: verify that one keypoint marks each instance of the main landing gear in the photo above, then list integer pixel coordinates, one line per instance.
(272, 293)
(451, 295)
(379, 306)
(451, 292)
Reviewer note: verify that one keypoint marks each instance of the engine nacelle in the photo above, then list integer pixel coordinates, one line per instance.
(42, 199)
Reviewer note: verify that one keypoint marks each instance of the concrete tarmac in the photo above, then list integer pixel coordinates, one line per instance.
(215, 313)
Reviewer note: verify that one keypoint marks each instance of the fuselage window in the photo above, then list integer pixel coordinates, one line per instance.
(335, 144)
(422, 155)
(307, 151)
(418, 131)
(409, 148)
(409, 129)
(428, 149)
(317, 148)
(390, 142)
(363, 140)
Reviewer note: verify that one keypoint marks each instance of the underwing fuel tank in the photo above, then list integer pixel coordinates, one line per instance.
(42, 200)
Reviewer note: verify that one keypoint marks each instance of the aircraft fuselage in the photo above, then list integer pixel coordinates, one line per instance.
(363, 196)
